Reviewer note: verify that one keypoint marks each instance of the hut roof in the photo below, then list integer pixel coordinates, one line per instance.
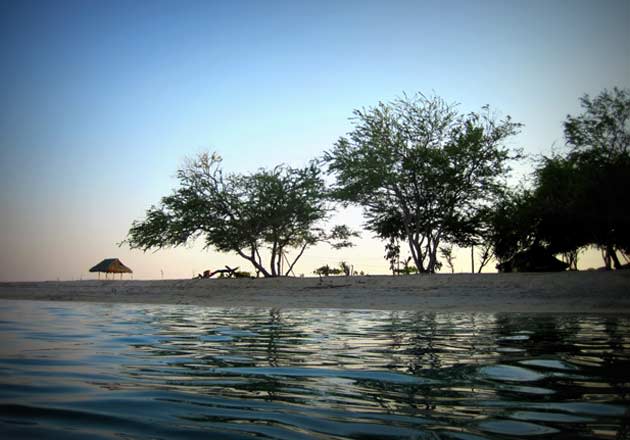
(111, 265)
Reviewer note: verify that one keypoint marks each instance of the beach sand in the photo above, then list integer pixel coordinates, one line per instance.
(572, 292)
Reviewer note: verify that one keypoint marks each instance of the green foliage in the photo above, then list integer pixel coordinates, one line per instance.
(339, 237)
(579, 199)
(603, 125)
(422, 171)
(446, 252)
(278, 209)
(392, 253)
(583, 197)
(600, 141)
(558, 200)
(593, 206)
(327, 270)
(513, 224)
(407, 270)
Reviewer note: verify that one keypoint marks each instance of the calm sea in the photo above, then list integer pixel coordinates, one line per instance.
(78, 371)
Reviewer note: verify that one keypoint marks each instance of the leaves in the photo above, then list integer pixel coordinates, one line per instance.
(579, 199)
(277, 209)
(421, 170)
(604, 124)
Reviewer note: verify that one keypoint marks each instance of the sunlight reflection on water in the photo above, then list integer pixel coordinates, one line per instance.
(106, 370)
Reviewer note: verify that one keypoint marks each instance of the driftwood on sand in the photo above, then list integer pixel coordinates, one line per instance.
(231, 272)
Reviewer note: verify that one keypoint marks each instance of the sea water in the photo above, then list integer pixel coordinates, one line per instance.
(78, 370)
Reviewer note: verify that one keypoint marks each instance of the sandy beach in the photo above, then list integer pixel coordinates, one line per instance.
(572, 292)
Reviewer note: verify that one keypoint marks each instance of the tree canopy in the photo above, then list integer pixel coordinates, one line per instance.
(422, 171)
(604, 124)
(580, 198)
(275, 210)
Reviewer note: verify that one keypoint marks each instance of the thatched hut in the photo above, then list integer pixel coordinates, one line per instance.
(111, 265)
(534, 259)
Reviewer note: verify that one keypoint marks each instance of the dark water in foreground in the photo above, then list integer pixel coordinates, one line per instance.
(126, 372)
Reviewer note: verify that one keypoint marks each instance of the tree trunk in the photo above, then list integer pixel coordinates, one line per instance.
(256, 264)
(415, 253)
(613, 255)
(432, 248)
(279, 262)
(472, 258)
(272, 263)
(296, 259)
(433, 259)
(485, 257)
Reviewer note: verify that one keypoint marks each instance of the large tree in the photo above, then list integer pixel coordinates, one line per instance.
(580, 198)
(568, 207)
(263, 214)
(599, 138)
(422, 171)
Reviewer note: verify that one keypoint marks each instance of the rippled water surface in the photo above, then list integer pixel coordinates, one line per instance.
(158, 372)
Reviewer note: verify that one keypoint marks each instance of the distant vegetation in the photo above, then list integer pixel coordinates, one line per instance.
(428, 179)
(326, 270)
(343, 269)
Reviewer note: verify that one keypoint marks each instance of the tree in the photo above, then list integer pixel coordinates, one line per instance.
(600, 149)
(602, 205)
(567, 209)
(604, 124)
(421, 170)
(446, 252)
(579, 199)
(485, 255)
(392, 255)
(513, 224)
(558, 201)
(549, 216)
(476, 233)
(278, 210)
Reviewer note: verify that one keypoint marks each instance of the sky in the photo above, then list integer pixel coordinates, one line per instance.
(101, 102)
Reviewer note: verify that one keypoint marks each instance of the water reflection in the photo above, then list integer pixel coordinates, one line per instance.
(169, 372)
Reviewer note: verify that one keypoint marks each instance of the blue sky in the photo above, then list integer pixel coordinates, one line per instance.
(102, 100)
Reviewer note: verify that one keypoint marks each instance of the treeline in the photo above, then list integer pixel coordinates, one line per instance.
(428, 178)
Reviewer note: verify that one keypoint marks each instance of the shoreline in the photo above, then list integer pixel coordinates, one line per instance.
(570, 292)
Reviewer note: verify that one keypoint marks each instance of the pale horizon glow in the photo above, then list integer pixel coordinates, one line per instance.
(103, 100)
